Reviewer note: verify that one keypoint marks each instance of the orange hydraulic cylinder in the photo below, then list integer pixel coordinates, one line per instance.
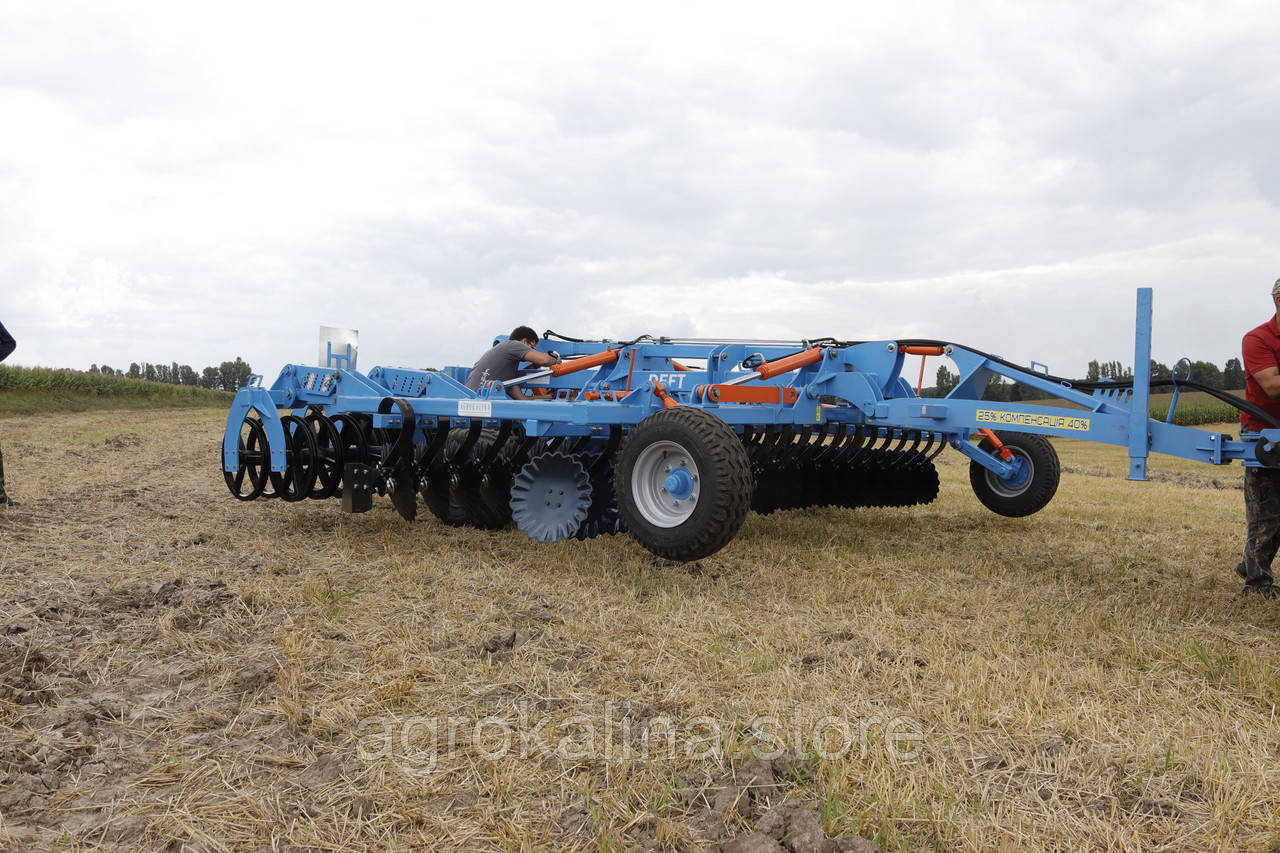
(667, 401)
(770, 369)
(607, 357)
(1003, 452)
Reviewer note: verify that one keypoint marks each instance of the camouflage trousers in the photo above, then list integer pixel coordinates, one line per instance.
(1262, 515)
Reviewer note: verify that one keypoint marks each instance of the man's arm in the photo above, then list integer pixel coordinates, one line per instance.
(1269, 379)
(1261, 362)
(541, 359)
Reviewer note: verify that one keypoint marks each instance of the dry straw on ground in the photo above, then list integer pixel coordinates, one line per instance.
(179, 670)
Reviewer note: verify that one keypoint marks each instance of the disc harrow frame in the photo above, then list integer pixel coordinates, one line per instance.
(781, 425)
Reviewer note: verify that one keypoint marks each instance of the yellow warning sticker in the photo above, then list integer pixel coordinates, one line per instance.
(1024, 419)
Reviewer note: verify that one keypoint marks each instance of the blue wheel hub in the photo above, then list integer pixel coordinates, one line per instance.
(679, 483)
(1021, 473)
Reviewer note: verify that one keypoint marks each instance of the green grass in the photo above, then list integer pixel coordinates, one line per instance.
(30, 390)
(1197, 414)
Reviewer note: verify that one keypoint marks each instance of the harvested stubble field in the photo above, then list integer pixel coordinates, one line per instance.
(182, 671)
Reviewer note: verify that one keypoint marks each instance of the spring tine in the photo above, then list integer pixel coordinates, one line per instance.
(759, 451)
(814, 446)
(606, 453)
(832, 448)
(439, 436)
(785, 436)
(504, 431)
(849, 450)
(464, 449)
(902, 441)
(579, 445)
(922, 454)
(402, 444)
(795, 445)
(864, 447)
(916, 437)
(905, 456)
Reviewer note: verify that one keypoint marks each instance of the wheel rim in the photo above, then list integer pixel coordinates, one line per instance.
(665, 484)
(1020, 482)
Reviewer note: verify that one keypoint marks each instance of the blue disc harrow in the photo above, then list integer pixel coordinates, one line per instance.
(674, 440)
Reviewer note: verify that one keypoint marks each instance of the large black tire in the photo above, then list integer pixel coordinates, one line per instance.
(1034, 491)
(713, 509)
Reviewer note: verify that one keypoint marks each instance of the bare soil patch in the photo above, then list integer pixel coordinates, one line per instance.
(181, 671)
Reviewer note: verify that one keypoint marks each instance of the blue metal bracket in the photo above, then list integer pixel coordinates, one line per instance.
(1004, 470)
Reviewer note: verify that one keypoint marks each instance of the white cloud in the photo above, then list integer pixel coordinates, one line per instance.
(1001, 174)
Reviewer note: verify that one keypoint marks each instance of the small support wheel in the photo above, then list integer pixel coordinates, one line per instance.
(683, 483)
(1034, 485)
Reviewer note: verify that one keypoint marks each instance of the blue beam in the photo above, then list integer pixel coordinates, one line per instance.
(1140, 402)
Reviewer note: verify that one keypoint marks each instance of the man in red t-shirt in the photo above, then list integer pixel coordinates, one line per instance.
(1261, 351)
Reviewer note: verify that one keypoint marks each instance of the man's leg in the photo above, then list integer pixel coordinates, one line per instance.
(5, 500)
(1262, 514)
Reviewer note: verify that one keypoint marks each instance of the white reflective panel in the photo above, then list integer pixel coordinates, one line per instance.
(334, 343)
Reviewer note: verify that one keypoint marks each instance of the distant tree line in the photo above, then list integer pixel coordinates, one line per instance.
(1230, 377)
(227, 376)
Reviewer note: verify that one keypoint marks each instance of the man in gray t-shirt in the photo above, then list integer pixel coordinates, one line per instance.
(503, 361)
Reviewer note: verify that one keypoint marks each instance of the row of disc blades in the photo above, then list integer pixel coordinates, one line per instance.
(553, 491)
(838, 466)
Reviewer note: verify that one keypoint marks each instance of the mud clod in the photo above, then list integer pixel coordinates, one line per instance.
(321, 772)
(755, 808)
(752, 842)
(504, 642)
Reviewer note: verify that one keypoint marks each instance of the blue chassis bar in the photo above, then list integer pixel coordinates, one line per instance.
(865, 378)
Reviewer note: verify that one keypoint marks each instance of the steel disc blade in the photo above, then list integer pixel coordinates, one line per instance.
(403, 491)
(603, 516)
(551, 497)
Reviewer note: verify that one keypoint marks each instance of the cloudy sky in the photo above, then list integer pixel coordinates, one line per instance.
(192, 183)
